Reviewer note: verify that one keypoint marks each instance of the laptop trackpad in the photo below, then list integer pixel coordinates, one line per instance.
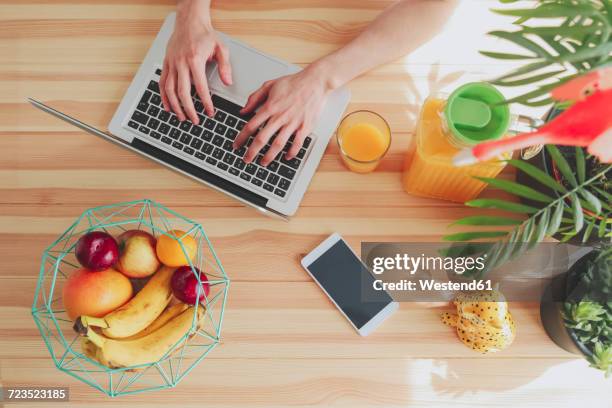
(250, 69)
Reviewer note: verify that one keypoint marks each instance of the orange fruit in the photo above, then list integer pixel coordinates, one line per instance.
(169, 249)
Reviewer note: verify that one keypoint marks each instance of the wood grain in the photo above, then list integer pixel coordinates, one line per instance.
(284, 344)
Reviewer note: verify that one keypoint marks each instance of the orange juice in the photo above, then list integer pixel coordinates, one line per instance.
(363, 138)
(440, 134)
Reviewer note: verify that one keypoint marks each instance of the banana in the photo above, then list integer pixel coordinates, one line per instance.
(136, 314)
(116, 353)
(168, 314)
(89, 349)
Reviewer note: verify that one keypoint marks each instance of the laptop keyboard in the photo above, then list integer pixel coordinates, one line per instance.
(211, 142)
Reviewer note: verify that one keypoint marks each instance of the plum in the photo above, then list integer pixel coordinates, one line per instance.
(185, 285)
(97, 251)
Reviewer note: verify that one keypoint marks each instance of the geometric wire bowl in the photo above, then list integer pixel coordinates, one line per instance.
(63, 342)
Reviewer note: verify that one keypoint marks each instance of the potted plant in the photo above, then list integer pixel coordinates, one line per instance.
(565, 193)
(576, 309)
(568, 38)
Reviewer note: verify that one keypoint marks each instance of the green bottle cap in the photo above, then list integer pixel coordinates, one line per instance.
(474, 113)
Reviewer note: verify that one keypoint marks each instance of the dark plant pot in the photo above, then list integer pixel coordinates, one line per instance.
(551, 306)
(543, 162)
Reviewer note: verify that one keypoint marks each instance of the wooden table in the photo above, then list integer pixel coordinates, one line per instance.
(284, 343)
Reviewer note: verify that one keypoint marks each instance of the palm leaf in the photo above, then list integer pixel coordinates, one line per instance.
(468, 236)
(505, 56)
(516, 189)
(548, 11)
(526, 69)
(541, 228)
(494, 203)
(537, 174)
(580, 41)
(580, 164)
(528, 80)
(593, 201)
(603, 226)
(487, 220)
(562, 164)
(555, 220)
(577, 213)
(588, 230)
(587, 53)
(518, 38)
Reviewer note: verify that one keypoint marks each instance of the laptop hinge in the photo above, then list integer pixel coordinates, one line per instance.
(200, 173)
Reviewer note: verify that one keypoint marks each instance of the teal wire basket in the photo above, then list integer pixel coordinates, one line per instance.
(65, 345)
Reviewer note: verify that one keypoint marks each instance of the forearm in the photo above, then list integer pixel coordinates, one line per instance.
(197, 11)
(397, 31)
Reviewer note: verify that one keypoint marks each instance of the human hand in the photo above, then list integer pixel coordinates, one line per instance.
(192, 45)
(290, 105)
(601, 147)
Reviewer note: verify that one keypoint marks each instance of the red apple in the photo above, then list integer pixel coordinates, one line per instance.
(95, 293)
(137, 257)
(185, 285)
(97, 251)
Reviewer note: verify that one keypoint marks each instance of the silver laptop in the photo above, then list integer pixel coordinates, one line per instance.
(204, 152)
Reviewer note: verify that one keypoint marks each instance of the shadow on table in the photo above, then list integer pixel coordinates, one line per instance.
(463, 376)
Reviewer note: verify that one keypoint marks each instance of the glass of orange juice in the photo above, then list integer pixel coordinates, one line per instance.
(364, 138)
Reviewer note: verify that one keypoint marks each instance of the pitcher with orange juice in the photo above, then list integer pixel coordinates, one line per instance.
(473, 113)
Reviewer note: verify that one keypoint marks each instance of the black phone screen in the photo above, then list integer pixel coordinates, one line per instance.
(345, 278)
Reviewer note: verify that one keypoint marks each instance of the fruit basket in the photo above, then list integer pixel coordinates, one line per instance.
(130, 298)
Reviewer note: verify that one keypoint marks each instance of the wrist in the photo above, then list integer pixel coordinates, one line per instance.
(326, 73)
(194, 12)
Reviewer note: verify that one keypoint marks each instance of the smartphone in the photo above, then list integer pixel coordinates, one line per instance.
(344, 278)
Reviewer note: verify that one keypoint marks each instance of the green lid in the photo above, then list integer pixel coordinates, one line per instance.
(474, 113)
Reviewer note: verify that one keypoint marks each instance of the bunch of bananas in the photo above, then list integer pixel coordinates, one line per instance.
(143, 330)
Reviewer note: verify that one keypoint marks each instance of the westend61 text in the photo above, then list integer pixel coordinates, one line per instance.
(432, 285)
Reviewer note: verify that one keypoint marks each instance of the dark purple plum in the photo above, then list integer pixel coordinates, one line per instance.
(97, 251)
(185, 285)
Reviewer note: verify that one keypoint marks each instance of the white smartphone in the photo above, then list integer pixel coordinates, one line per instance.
(344, 278)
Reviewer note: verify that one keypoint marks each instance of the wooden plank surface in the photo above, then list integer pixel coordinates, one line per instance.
(284, 344)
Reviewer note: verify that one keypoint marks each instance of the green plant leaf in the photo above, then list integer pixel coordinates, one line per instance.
(542, 90)
(580, 165)
(494, 203)
(603, 224)
(504, 55)
(577, 32)
(562, 164)
(471, 235)
(518, 38)
(537, 174)
(487, 220)
(526, 69)
(588, 230)
(568, 235)
(549, 11)
(562, 48)
(586, 53)
(508, 248)
(555, 219)
(541, 228)
(592, 200)
(607, 196)
(516, 189)
(577, 212)
(535, 104)
(528, 80)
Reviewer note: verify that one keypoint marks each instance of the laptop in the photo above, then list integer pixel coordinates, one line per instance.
(204, 152)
